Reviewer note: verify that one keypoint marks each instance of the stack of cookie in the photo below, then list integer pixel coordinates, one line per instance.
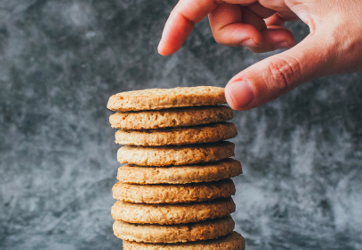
(175, 190)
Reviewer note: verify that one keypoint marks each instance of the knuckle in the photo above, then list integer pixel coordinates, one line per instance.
(284, 73)
(219, 38)
(226, 36)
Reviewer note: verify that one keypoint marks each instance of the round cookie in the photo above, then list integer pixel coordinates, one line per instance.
(171, 194)
(169, 214)
(232, 241)
(151, 99)
(213, 171)
(181, 117)
(205, 230)
(177, 136)
(175, 155)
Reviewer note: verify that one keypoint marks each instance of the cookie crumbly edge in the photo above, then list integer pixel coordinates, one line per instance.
(175, 155)
(214, 171)
(169, 214)
(232, 241)
(155, 99)
(173, 194)
(181, 117)
(206, 230)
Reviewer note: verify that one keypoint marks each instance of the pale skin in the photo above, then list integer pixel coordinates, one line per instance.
(333, 46)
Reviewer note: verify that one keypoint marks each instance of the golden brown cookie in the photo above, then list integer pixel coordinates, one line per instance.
(169, 214)
(214, 171)
(171, 194)
(205, 230)
(151, 99)
(177, 136)
(181, 117)
(232, 241)
(175, 155)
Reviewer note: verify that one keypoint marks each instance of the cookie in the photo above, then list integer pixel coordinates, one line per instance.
(171, 117)
(205, 230)
(175, 155)
(232, 241)
(177, 136)
(169, 214)
(214, 171)
(171, 194)
(154, 99)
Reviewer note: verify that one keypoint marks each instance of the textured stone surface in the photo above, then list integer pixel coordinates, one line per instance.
(60, 61)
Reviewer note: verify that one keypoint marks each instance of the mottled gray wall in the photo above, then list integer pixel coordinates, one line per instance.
(59, 63)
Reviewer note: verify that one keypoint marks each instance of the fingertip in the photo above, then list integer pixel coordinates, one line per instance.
(176, 30)
(239, 94)
(168, 45)
(159, 48)
(162, 50)
(229, 98)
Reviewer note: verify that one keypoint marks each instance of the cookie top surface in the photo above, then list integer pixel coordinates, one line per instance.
(214, 171)
(206, 230)
(169, 214)
(172, 194)
(175, 155)
(232, 241)
(177, 136)
(154, 99)
(180, 117)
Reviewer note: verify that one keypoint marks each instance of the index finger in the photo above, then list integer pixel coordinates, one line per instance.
(182, 20)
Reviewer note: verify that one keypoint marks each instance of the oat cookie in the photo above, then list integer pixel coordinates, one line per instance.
(214, 171)
(232, 241)
(205, 230)
(171, 194)
(154, 99)
(177, 136)
(181, 117)
(169, 214)
(175, 155)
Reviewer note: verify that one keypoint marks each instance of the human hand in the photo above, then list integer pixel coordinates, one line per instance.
(334, 45)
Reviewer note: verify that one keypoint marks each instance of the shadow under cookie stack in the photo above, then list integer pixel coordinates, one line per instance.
(175, 190)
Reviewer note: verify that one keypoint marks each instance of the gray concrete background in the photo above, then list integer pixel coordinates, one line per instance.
(59, 63)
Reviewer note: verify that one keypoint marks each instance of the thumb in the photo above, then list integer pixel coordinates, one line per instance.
(279, 74)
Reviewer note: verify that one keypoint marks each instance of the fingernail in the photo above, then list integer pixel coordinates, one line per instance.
(282, 45)
(249, 43)
(240, 94)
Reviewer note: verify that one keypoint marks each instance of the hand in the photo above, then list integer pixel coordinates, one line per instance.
(334, 45)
